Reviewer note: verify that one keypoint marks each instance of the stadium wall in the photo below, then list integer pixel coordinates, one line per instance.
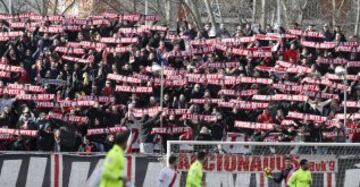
(57, 170)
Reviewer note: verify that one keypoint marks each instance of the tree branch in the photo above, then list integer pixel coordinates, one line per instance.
(305, 5)
(19, 6)
(55, 7)
(338, 10)
(38, 7)
(284, 5)
(342, 4)
(112, 7)
(68, 7)
(45, 7)
(159, 7)
(196, 20)
(5, 6)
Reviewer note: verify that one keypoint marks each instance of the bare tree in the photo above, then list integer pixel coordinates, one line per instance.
(263, 13)
(45, 7)
(253, 16)
(55, 5)
(114, 5)
(278, 12)
(39, 6)
(356, 31)
(168, 11)
(189, 6)
(302, 7)
(336, 10)
(17, 6)
(68, 7)
(271, 18)
(6, 8)
(285, 8)
(220, 14)
(210, 14)
(292, 13)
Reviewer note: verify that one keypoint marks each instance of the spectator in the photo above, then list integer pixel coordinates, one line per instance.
(87, 146)
(46, 139)
(59, 86)
(265, 117)
(57, 141)
(6, 118)
(20, 144)
(222, 32)
(204, 135)
(327, 34)
(355, 137)
(146, 138)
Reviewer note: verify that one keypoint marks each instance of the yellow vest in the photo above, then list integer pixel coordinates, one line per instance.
(195, 175)
(301, 178)
(113, 168)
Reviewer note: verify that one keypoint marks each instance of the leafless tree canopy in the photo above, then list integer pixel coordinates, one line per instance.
(345, 13)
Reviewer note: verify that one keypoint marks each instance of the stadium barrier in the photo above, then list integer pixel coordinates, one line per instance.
(226, 169)
(241, 164)
(33, 169)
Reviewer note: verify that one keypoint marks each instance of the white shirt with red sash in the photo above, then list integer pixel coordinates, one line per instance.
(167, 177)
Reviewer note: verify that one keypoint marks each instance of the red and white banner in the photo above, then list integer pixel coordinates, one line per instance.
(310, 34)
(240, 93)
(70, 51)
(207, 100)
(304, 116)
(12, 92)
(296, 88)
(133, 89)
(35, 97)
(200, 117)
(78, 60)
(125, 79)
(105, 131)
(254, 125)
(10, 68)
(31, 133)
(100, 99)
(336, 61)
(112, 40)
(4, 74)
(351, 104)
(170, 130)
(221, 65)
(68, 118)
(245, 105)
(281, 97)
(27, 88)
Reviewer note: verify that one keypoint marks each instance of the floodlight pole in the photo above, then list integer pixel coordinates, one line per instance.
(345, 99)
(161, 101)
(342, 72)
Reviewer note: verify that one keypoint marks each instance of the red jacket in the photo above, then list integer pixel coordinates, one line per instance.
(291, 54)
(265, 118)
(107, 91)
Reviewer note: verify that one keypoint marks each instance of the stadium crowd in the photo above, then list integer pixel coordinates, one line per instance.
(70, 84)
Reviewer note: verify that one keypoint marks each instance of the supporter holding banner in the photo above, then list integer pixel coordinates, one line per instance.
(93, 77)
